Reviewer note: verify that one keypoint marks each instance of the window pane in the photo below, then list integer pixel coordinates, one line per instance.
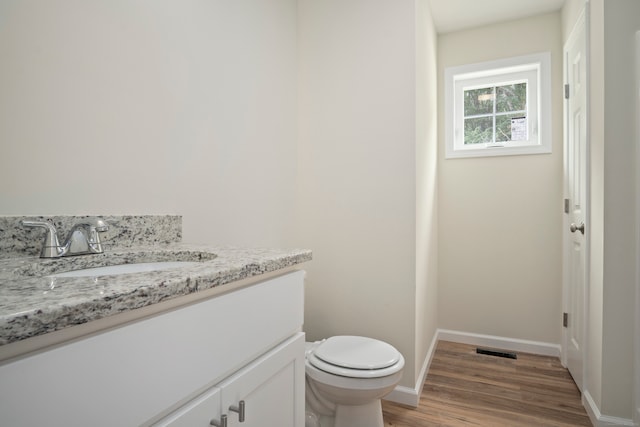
(478, 101)
(478, 130)
(498, 107)
(511, 98)
(511, 127)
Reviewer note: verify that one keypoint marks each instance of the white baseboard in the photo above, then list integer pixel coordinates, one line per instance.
(411, 396)
(511, 344)
(599, 420)
(404, 396)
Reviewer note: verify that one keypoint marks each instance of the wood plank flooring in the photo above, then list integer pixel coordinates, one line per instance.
(467, 389)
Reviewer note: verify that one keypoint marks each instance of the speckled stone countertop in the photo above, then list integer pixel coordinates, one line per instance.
(33, 303)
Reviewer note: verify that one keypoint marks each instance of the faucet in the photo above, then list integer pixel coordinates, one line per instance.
(84, 238)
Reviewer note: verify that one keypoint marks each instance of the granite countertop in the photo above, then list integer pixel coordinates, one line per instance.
(32, 303)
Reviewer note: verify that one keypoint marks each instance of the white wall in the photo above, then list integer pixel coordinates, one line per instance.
(190, 108)
(500, 241)
(426, 184)
(358, 169)
(613, 256)
(621, 21)
(151, 107)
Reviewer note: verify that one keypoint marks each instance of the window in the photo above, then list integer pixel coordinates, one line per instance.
(499, 108)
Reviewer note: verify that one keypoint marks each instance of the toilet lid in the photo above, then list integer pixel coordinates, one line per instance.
(354, 352)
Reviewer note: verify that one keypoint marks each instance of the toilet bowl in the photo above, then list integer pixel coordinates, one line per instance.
(346, 376)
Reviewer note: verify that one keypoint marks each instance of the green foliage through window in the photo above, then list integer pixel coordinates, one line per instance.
(494, 114)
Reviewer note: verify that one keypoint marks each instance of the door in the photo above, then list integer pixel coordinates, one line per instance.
(200, 412)
(636, 415)
(575, 235)
(269, 391)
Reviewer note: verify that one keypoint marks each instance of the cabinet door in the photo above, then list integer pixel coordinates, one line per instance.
(272, 388)
(197, 413)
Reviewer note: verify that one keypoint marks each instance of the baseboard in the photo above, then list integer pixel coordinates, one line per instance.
(404, 396)
(511, 344)
(411, 396)
(599, 420)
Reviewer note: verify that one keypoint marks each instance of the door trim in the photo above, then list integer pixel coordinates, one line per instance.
(636, 412)
(582, 21)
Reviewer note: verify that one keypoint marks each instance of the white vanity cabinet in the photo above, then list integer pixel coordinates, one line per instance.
(272, 388)
(267, 393)
(200, 412)
(183, 367)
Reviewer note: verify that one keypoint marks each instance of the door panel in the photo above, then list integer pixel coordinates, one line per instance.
(636, 415)
(575, 329)
(576, 226)
(198, 413)
(272, 388)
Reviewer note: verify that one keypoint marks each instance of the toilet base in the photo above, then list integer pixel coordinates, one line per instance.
(367, 415)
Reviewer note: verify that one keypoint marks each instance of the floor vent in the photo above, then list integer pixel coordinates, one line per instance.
(497, 353)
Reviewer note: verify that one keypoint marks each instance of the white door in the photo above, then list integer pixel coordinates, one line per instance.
(269, 391)
(636, 415)
(576, 203)
(200, 412)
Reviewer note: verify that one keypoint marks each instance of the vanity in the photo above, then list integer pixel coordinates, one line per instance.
(217, 341)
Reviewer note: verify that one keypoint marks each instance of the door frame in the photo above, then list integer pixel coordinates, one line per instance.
(636, 411)
(581, 21)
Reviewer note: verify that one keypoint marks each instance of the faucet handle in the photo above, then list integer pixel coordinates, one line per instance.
(84, 237)
(100, 225)
(51, 246)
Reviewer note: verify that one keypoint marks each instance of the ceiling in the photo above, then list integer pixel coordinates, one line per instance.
(454, 15)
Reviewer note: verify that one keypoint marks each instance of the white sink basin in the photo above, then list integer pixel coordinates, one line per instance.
(112, 270)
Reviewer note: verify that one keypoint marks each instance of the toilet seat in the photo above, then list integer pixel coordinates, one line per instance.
(356, 357)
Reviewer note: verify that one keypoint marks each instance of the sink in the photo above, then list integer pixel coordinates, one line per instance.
(112, 270)
(113, 263)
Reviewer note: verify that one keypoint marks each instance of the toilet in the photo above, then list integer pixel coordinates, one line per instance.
(346, 376)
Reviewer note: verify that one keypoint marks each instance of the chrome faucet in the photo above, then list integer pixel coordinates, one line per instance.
(84, 238)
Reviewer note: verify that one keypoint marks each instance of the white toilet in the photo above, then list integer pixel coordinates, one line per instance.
(346, 376)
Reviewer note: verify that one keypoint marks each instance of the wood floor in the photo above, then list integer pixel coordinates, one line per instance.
(467, 389)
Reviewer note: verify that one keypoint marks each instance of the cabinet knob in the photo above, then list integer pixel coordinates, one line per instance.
(221, 423)
(239, 409)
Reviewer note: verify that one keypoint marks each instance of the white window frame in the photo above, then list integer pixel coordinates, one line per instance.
(535, 69)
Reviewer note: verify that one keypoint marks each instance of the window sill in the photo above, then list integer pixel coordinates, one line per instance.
(493, 151)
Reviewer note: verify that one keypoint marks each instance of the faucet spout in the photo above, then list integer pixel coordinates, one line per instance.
(84, 238)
